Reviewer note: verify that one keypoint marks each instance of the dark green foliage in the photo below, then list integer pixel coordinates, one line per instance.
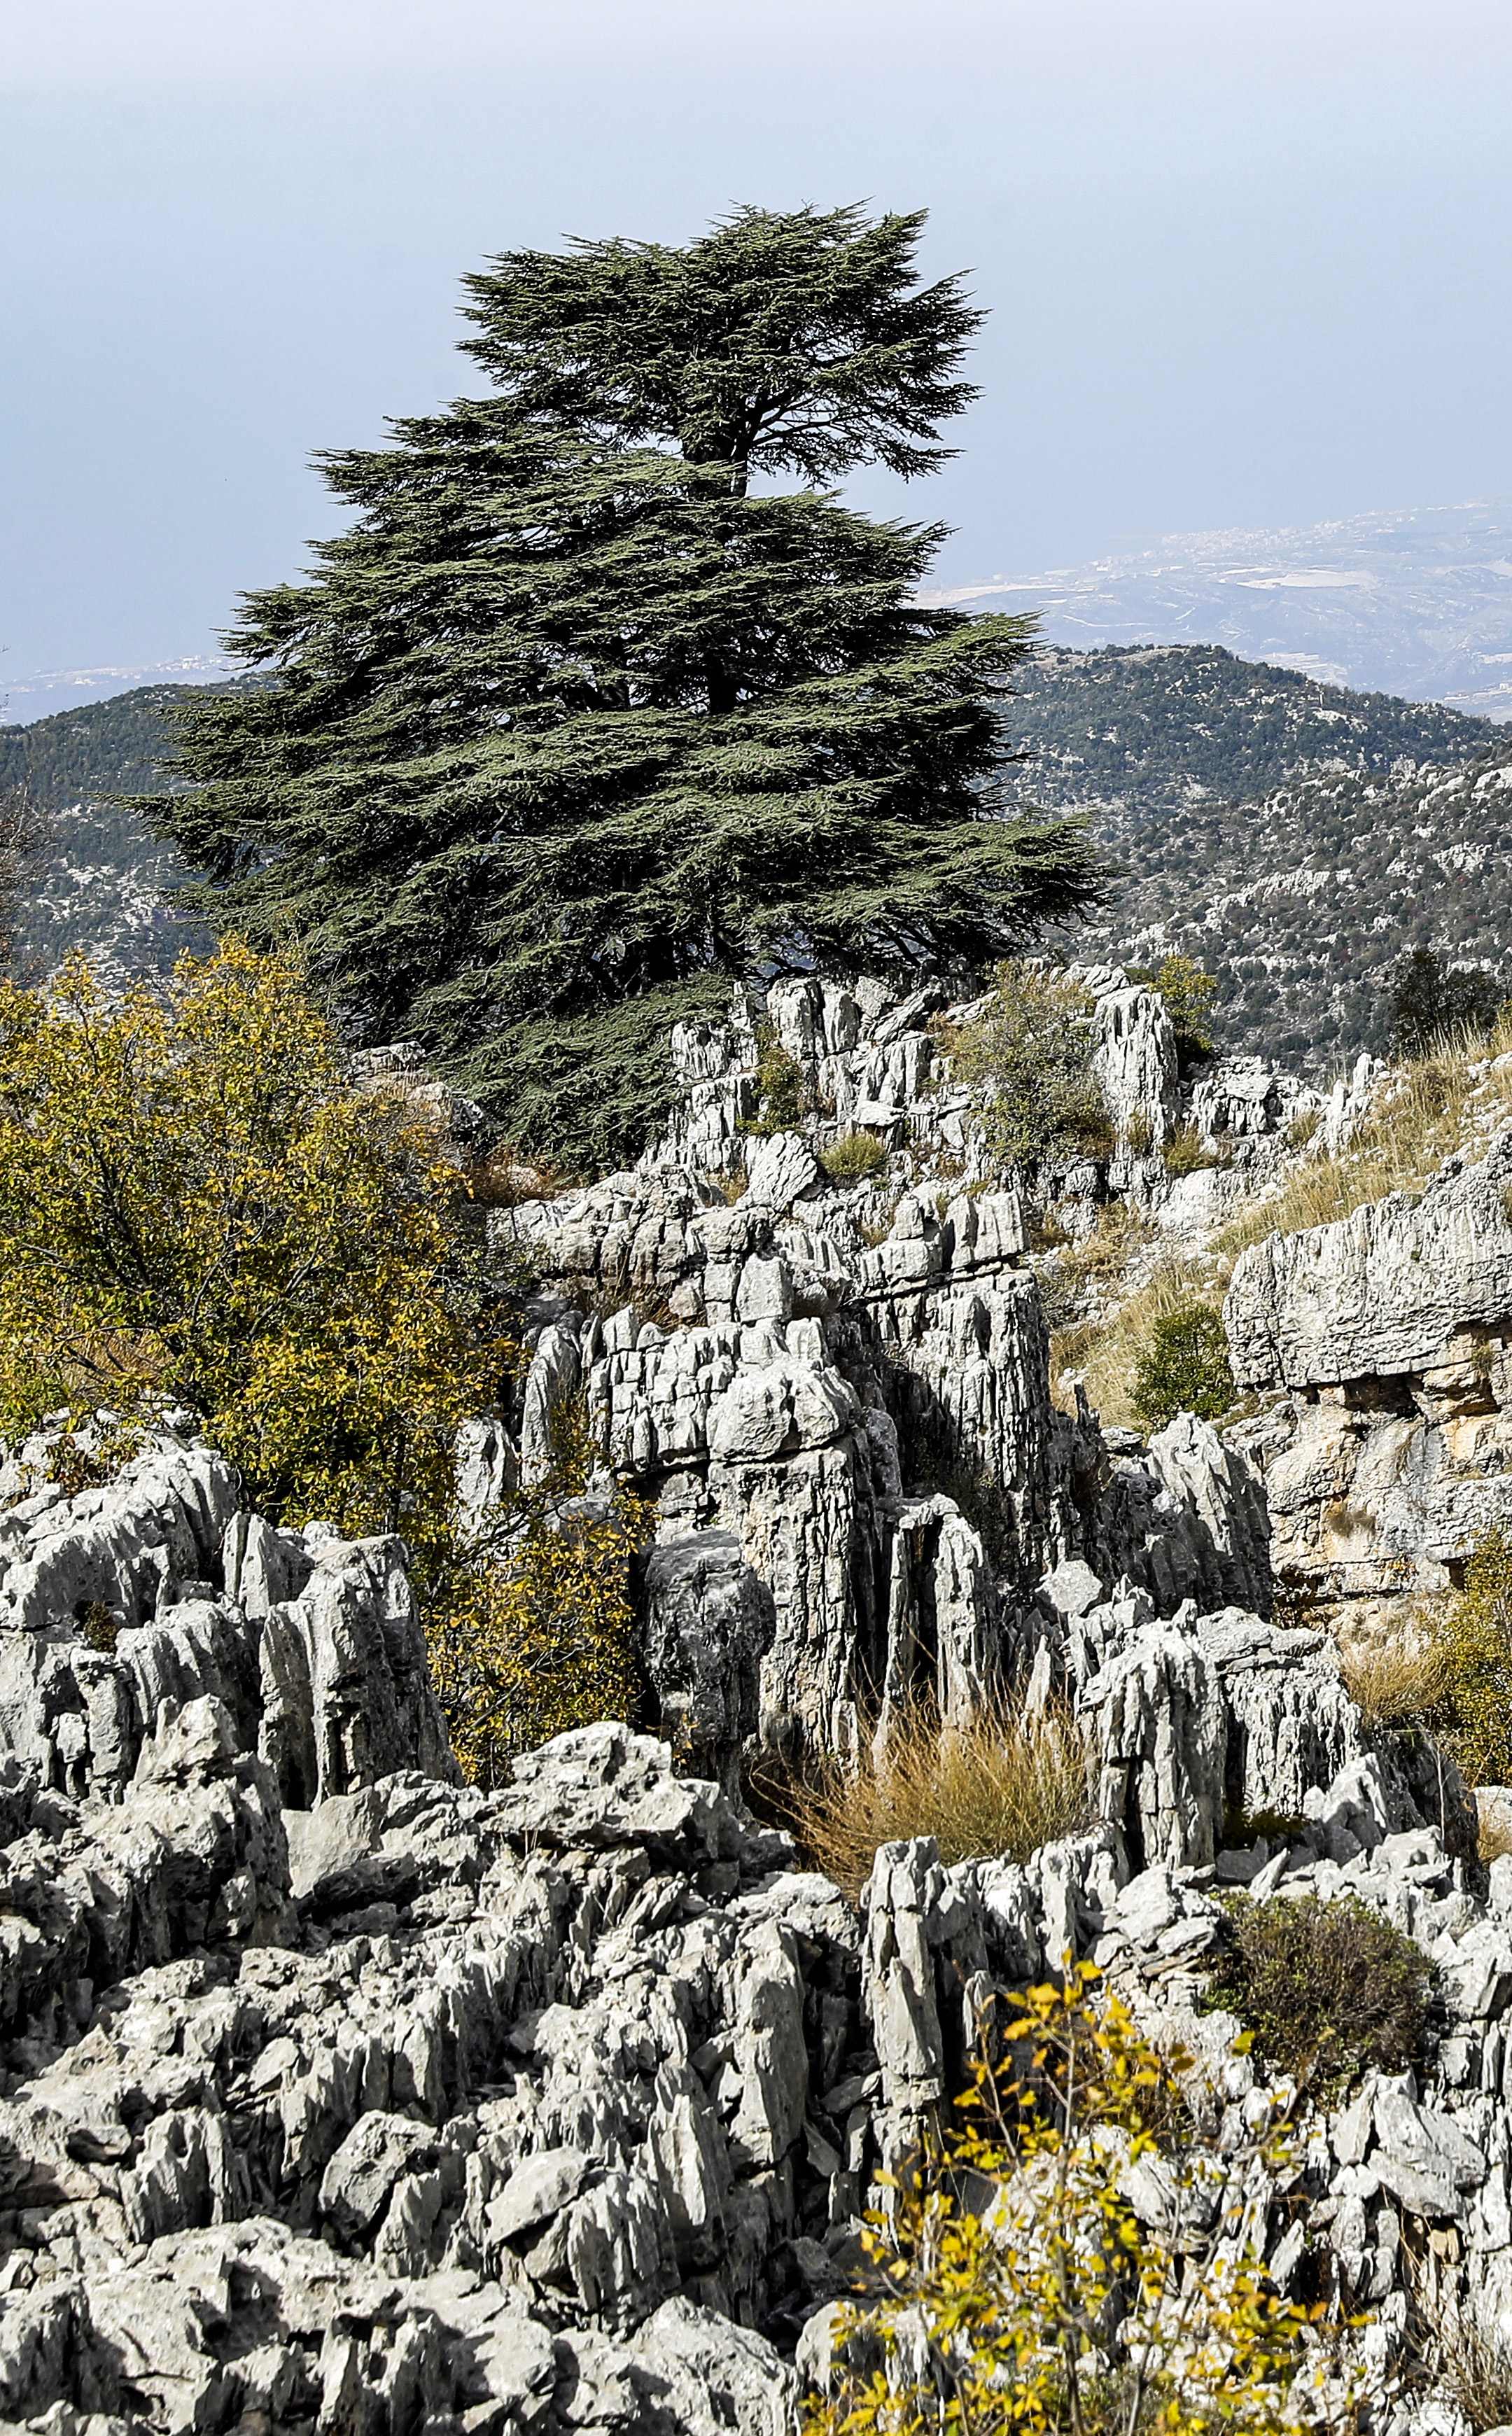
(1327, 1989)
(1429, 998)
(1183, 1368)
(572, 723)
(1205, 775)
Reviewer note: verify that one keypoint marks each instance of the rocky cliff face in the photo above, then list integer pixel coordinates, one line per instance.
(339, 2094)
(1383, 1340)
(848, 1386)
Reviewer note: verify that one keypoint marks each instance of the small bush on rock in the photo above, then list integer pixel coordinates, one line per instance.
(1394, 1683)
(1186, 1153)
(783, 1097)
(1183, 1368)
(1327, 1989)
(998, 1787)
(1030, 1056)
(539, 1637)
(1011, 2289)
(1473, 1712)
(854, 1157)
(1189, 994)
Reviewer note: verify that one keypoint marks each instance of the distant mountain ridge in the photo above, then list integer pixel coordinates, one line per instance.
(46, 692)
(1416, 602)
(1293, 836)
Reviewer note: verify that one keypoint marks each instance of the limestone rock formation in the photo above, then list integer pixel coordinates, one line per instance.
(1389, 1454)
(852, 1381)
(339, 2094)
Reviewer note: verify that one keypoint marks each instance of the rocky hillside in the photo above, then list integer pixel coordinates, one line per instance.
(102, 883)
(1295, 837)
(341, 2095)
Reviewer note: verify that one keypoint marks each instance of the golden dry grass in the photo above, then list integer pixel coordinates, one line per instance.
(1417, 1117)
(1395, 1682)
(1475, 2364)
(1494, 1841)
(1001, 1788)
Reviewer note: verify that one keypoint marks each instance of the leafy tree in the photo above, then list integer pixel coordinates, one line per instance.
(1429, 998)
(583, 715)
(1015, 2289)
(1184, 1367)
(196, 1208)
(1029, 1053)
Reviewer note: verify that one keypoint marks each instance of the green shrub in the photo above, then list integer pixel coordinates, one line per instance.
(1431, 1002)
(855, 1156)
(1327, 1990)
(1184, 1367)
(1472, 1713)
(782, 1093)
(1140, 1133)
(1030, 1056)
(1189, 994)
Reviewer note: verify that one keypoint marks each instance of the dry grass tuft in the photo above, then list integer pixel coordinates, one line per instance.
(1494, 1844)
(1473, 2363)
(1000, 1788)
(1083, 1270)
(1395, 1682)
(1417, 1117)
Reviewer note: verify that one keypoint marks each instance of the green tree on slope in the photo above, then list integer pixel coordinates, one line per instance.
(582, 715)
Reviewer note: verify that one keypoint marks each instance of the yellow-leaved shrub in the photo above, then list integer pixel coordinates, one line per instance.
(534, 1632)
(1012, 2289)
(196, 1208)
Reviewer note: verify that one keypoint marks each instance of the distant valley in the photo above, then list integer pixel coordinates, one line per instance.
(1416, 602)
(1293, 836)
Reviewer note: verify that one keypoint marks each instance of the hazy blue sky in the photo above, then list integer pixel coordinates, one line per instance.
(1246, 259)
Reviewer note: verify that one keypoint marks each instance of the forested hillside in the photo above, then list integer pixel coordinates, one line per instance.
(1152, 729)
(104, 880)
(1295, 837)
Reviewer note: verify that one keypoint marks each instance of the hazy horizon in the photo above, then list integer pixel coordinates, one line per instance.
(1244, 270)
